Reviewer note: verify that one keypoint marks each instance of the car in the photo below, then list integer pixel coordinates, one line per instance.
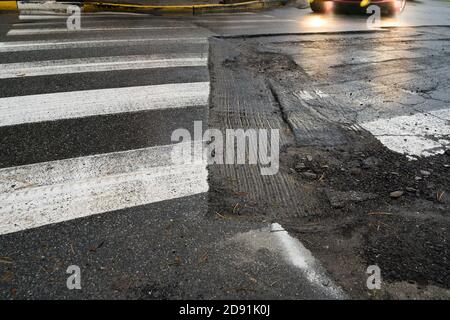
(390, 7)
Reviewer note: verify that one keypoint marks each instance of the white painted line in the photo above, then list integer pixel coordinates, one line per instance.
(84, 14)
(296, 254)
(100, 64)
(16, 46)
(42, 13)
(62, 22)
(288, 249)
(68, 105)
(418, 135)
(42, 16)
(27, 32)
(49, 15)
(57, 191)
(41, 5)
(40, 24)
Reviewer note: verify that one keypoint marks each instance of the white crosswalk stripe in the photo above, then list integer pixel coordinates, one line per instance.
(17, 46)
(49, 67)
(65, 188)
(42, 6)
(27, 15)
(62, 190)
(60, 21)
(418, 135)
(30, 31)
(66, 105)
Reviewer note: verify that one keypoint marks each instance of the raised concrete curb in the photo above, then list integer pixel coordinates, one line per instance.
(97, 6)
(8, 5)
(185, 9)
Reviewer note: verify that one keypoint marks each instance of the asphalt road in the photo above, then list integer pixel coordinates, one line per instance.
(86, 177)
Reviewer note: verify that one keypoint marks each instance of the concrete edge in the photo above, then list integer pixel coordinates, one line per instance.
(187, 9)
(311, 33)
(97, 6)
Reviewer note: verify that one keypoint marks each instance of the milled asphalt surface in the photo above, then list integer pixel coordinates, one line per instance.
(173, 249)
(333, 189)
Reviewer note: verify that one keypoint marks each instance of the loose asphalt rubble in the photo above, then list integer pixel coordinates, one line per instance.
(352, 195)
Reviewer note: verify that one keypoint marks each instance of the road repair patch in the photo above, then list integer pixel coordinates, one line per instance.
(364, 164)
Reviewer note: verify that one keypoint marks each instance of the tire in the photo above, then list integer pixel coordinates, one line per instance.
(402, 5)
(395, 8)
(318, 6)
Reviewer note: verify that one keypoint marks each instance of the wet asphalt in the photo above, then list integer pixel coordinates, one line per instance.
(166, 250)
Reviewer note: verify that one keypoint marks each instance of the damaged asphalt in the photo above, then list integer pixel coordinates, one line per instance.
(349, 194)
(364, 134)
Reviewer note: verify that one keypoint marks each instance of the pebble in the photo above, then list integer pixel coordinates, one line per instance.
(396, 194)
(425, 173)
(355, 171)
(410, 189)
(447, 152)
(309, 175)
(370, 162)
(300, 166)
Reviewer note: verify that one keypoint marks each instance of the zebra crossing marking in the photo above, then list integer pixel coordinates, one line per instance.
(57, 191)
(99, 64)
(37, 31)
(39, 194)
(17, 46)
(77, 104)
(419, 135)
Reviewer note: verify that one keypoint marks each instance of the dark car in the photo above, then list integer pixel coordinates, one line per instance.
(389, 7)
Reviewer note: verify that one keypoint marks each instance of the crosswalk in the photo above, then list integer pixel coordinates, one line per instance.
(33, 31)
(99, 64)
(17, 46)
(87, 162)
(100, 141)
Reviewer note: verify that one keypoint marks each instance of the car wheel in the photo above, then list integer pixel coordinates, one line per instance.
(396, 7)
(401, 4)
(318, 6)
